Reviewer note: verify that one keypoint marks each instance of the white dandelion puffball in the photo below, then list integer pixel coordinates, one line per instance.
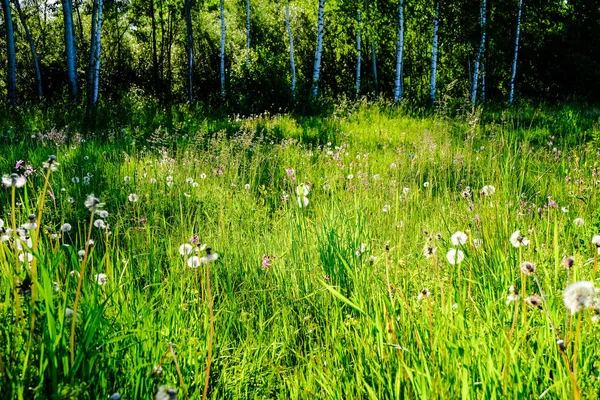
(459, 238)
(101, 279)
(99, 224)
(185, 249)
(302, 201)
(488, 190)
(579, 296)
(386, 208)
(455, 256)
(596, 240)
(1, 223)
(193, 262)
(133, 197)
(578, 222)
(405, 190)
(517, 240)
(302, 190)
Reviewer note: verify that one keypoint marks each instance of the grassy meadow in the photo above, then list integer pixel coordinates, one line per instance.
(365, 254)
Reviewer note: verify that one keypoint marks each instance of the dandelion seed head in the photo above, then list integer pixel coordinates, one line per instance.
(527, 268)
(101, 279)
(579, 296)
(455, 256)
(133, 197)
(459, 238)
(578, 222)
(185, 249)
(517, 240)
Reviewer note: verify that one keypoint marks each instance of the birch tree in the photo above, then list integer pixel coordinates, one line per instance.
(479, 58)
(358, 55)
(514, 64)
(97, 59)
(94, 58)
(399, 53)
(70, 51)
(34, 57)
(434, 53)
(319, 50)
(190, 50)
(247, 32)
(10, 54)
(291, 39)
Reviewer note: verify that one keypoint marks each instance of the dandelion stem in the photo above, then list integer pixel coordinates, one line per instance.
(387, 279)
(178, 369)
(79, 287)
(576, 394)
(210, 331)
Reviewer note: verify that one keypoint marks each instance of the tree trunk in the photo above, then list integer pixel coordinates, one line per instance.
(374, 64)
(98, 54)
(222, 10)
(482, 81)
(399, 53)
(190, 50)
(358, 57)
(434, 53)
(291, 37)
(514, 65)
(479, 57)
(70, 49)
(247, 32)
(11, 55)
(91, 63)
(319, 50)
(36, 65)
(154, 54)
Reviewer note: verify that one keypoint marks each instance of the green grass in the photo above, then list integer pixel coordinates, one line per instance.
(325, 320)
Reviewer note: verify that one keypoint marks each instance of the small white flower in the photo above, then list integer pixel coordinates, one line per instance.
(405, 190)
(152, 180)
(247, 186)
(193, 262)
(428, 251)
(579, 296)
(189, 181)
(99, 224)
(203, 176)
(527, 268)
(393, 165)
(101, 279)
(564, 209)
(386, 208)
(423, 294)
(75, 179)
(185, 249)
(488, 190)
(209, 257)
(512, 295)
(126, 179)
(71, 200)
(25, 256)
(455, 256)
(517, 240)
(578, 222)
(426, 184)
(596, 240)
(66, 228)
(15, 180)
(350, 177)
(81, 253)
(133, 197)
(92, 203)
(459, 238)
(102, 213)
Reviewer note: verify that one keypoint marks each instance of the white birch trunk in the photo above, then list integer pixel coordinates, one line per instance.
(97, 61)
(434, 53)
(514, 65)
(70, 48)
(399, 53)
(482, 81)
(479, 57)
(358, 57)
(374, 65)
(222, 10)
(319, 50)
(291, 37)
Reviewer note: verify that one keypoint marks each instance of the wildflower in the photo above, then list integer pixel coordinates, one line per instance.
(568, 262)
(534, 301)
(290, 171)
(152, 180)
(423, 294)
(210, 256)
(166, 393)
(350, 177)
(579, 295)
(517, 240)
(203, 176)
(81, 253)
(71, 200)
(92, 203)
(386, 208)
(512, 295)
(189, 181)
(247, 186)
(101, 279)
(69, 313)
(90, 242)
(75, 179)
(23, 256)
(126, 179)
(596, 240)
(185, 249)
(393, 165)
(426, 184)
(455, 256)
(99, 224)
(578, 222)
(428, 251)
(51, 164)
(527, 267)
(15, 180)
(405, 191)
(459, 238)
(193, 262)
(195, 239)
(596, 318)
(133, 197)
(267, 261)
(66, 228)
(488, 190)
(564, 209)
(372, 259)
(302, 193)
(102, 213)
(477, 243)
(31, 225)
